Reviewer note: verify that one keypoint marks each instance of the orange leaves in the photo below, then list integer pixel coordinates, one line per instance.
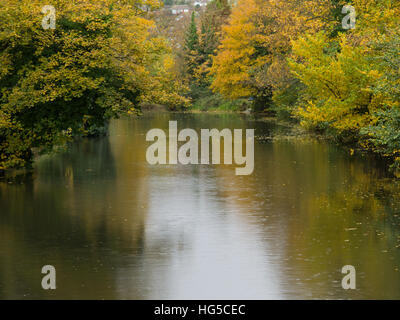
(257, 40)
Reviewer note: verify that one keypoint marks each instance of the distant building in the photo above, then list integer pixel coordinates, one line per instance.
(200, 3)
(179, 9)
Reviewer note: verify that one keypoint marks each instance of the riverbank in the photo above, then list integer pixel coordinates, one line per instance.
(293, 131)
(299, 132)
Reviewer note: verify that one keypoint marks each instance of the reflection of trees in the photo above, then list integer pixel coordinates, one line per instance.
(349, 221)
(336, 212)
(116, 227)
(320, 209)
(83, 213)
(189, 222)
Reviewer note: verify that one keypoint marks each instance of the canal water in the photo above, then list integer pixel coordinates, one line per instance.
(115, 227)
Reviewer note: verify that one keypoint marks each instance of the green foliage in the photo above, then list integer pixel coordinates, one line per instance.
(192, 38)
(215, 102)
(351, 81)
(287, 99)
(345, 83)
(191, 49)
(200, 47)
(383, 135)
(98, 62)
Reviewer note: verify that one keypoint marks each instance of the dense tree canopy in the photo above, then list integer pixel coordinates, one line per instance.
(352, 80)
(255, 44)
(297, 56)
(98, 62)
(106, 57)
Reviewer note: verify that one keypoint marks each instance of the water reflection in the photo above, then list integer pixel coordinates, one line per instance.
(117, 228)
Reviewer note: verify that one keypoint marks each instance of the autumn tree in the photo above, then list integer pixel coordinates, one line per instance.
(202, 39)
(351, 81)
(56, 83)
(191, 47)
(251, 60)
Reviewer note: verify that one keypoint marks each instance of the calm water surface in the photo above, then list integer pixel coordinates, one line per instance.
(117, 228)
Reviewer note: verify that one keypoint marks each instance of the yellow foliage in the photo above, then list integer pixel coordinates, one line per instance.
(342, 85)
(257, 39)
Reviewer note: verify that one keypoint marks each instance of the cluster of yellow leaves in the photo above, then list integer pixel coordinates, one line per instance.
(257, 40)
(101, 60)
(341, 85)
(344, 81)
